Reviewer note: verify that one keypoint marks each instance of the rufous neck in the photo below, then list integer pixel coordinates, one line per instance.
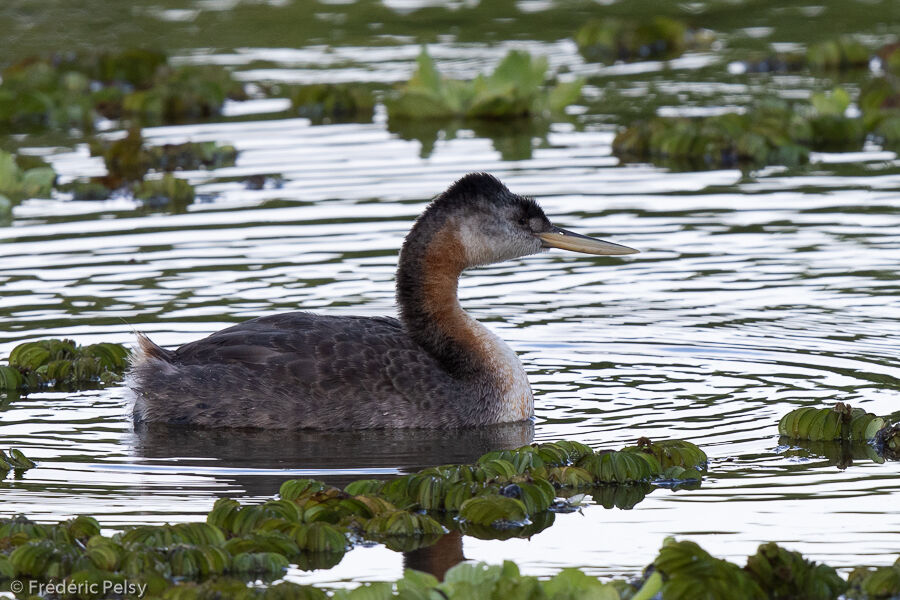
(431, 261)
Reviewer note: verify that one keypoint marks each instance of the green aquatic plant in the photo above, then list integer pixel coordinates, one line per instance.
(192, 561)
(504, 494)
(14, 460)
(690, 573)
(825, 424)
(621, 467)
(497, 511)
(514, 90)
(183, 93)
(333, 101)
(165, 190)
(785, 575)
(72, 90)
(884, 582)
(838, 54)
(24, 177)
(672, 453)
(829, 128)
(887, 441)
(130, 158)
(62, 364)
(879, 101)
(611, 39)
(770, 132)
(890, 57)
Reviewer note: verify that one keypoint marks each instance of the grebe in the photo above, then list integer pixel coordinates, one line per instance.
(435, 367)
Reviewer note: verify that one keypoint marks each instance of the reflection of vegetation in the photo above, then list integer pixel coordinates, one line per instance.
(129, 159)
(166, 191)
(611, 39)
(840, 453)
(514, 90)
(62, 364)
(327, 102)
(513, 139)
(624, 497)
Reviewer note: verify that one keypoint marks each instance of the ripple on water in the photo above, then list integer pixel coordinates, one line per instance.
(752, 296)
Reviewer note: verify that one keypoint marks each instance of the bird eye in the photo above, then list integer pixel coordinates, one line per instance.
(523, 222)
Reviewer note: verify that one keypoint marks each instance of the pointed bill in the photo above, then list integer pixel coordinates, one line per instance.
(569, 240)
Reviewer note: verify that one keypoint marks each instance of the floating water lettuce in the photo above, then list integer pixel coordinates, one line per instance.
(130, 158)
(621, 467)
(829, 128)
(497, 511)
(838, 54)
(183, 93)
(165, 190)
(672, 453)
(771, 132)
(18, 182)
(890, 57)
(16, 461)
(328, 101)
(785, 575)
(504, 494)
(690, 573)
(825, 424)
(73, 90)
(60, 363)
(879, 101)
(195, 560)
(611, 39)
(879, 583)
(515, 89)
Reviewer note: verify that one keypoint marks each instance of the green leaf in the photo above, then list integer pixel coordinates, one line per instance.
(833, 103)
(572, 584)
(38, 182)
(564, 94)
(416, 585)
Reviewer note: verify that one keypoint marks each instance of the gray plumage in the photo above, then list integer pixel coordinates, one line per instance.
(301, 370)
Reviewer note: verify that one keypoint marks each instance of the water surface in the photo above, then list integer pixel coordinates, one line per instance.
(755, 293)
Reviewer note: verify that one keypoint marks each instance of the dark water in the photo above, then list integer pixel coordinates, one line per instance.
(755, 292)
